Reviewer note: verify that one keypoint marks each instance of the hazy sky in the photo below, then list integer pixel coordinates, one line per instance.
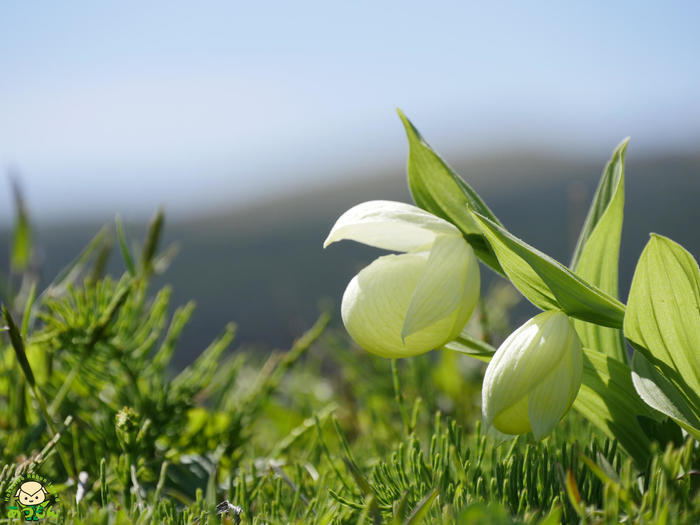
(119, 106)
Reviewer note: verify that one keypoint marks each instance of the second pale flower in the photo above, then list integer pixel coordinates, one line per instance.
(534, 376)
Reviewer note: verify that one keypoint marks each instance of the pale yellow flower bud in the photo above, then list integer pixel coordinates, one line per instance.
(534, 376)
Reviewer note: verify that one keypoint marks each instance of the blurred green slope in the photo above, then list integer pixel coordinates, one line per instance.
(263, 266)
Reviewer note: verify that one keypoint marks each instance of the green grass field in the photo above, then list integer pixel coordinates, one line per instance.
(320, 433)
(135, 409)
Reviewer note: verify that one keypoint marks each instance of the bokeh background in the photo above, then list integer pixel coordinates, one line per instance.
(256, 124)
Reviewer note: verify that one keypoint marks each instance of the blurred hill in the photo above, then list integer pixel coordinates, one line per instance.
(263, 266)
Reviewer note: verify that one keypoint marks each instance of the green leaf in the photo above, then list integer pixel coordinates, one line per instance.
(663, 318)
(436, 188)
(124, 247)
(468, 345)
(420, 512)
(660, 394)
(597, 252)
(607, 202)
(573, 493)
(22, 235)
(547, 283)
(605, 473)
(150, 245)
(400, 509)
(26, 317)
(18, 346)
(605, 476)
(607, 398)
(553, 518)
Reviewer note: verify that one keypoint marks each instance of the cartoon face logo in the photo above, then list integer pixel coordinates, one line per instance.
(31, 493)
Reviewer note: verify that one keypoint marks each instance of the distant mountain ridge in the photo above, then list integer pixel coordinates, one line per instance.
(263, 266)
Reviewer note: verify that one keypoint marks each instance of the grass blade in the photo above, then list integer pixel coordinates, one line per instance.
(421, 510)
(22, 242)
(124, 247)
(18, 346)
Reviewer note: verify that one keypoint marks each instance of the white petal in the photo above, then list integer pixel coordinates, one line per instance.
(552, 398)
(389, 225)
(375, 304)
(548, 403)
(449, 284)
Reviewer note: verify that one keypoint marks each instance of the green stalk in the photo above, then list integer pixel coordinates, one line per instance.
(18, 346)
(399, 397)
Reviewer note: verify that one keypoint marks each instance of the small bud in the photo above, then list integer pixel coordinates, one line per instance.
(126, 423)
(534, 376)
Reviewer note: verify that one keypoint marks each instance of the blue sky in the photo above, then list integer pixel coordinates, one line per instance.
(112, 107)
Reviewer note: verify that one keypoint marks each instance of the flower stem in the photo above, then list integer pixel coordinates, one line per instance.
(399, 397)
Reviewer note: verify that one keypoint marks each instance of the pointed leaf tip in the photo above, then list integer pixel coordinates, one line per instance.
(596, 256)
(437, 188)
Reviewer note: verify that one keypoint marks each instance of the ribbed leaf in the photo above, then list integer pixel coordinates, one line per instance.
(436, 188)
(660, 394)
(608, 400)
(663, 318)
(597, 252)
(547, 283)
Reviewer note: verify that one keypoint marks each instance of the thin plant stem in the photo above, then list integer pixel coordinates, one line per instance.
(398, 396)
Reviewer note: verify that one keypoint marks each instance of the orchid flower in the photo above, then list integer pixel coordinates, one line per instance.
(407, 304)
